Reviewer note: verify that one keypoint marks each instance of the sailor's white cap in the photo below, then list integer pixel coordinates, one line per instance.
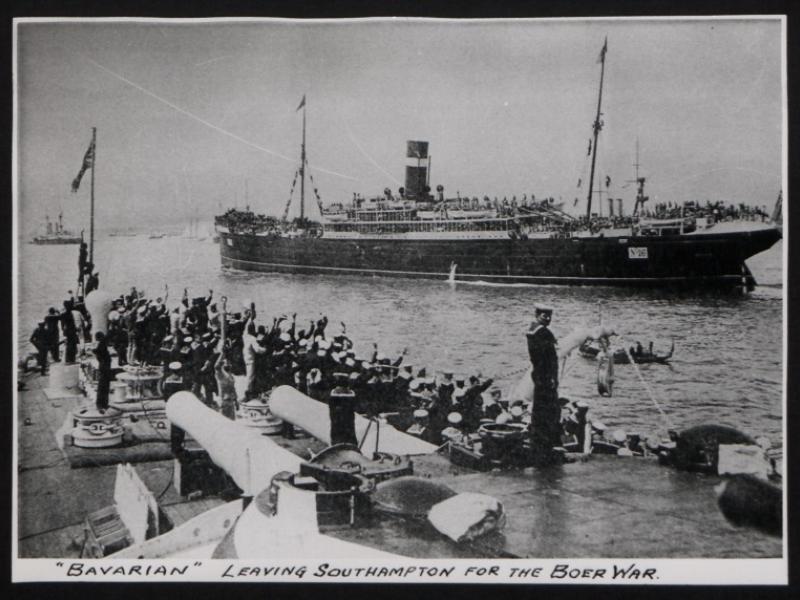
(303, 343)
(619, 436)
(420, 413)
(175, 366)
(285, 337)
(454, 418)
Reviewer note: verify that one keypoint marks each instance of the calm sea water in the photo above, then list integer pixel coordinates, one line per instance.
(727, 367)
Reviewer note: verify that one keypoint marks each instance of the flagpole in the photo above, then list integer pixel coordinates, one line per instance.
(303, 165)
(91, 205)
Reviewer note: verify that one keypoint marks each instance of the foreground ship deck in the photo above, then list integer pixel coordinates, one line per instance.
(604, 507)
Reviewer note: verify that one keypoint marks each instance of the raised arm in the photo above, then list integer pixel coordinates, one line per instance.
(400, 358)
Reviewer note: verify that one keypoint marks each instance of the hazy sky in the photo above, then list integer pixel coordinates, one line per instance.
(188, 112)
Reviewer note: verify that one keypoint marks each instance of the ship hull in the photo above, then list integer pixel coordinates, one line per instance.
(707, 260)
(56, 241)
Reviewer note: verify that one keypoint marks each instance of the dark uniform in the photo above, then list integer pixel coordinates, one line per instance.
(51, 325)
(472, 404)
(70, 333)
(39, 340)
(103, 370)
(546, 412)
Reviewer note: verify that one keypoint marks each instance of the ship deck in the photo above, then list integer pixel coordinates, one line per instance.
(600, 507)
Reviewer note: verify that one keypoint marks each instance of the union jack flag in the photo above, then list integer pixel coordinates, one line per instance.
(88, 163)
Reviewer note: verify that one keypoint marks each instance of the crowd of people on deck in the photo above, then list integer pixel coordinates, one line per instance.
(552, 217)
(202, 345)
(72, 322)
(248, 222)
(719, 211)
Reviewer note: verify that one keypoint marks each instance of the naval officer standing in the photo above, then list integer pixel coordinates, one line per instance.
(546, 411)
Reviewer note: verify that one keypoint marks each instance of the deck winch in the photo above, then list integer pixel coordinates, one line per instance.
(256, 413)
(97, 428)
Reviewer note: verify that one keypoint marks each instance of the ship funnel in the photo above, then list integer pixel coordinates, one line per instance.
(417, 175)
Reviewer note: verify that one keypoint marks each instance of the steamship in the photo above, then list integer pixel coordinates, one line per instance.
(416, 233)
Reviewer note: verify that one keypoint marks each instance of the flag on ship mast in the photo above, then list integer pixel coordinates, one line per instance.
(302, 103)
(88, 163)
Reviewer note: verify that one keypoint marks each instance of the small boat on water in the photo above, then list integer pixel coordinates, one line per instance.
(641, 356)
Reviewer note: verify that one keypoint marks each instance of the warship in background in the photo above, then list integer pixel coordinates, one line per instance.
(56, 234)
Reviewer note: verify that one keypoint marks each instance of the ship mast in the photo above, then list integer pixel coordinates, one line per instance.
(303, 165)
(598, 125)
(91, 205)
(639, 181)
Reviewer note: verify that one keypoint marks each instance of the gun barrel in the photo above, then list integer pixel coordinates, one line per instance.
(290, 405)
(249, 458)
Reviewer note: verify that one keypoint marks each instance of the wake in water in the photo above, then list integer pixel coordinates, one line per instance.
(451, 279)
